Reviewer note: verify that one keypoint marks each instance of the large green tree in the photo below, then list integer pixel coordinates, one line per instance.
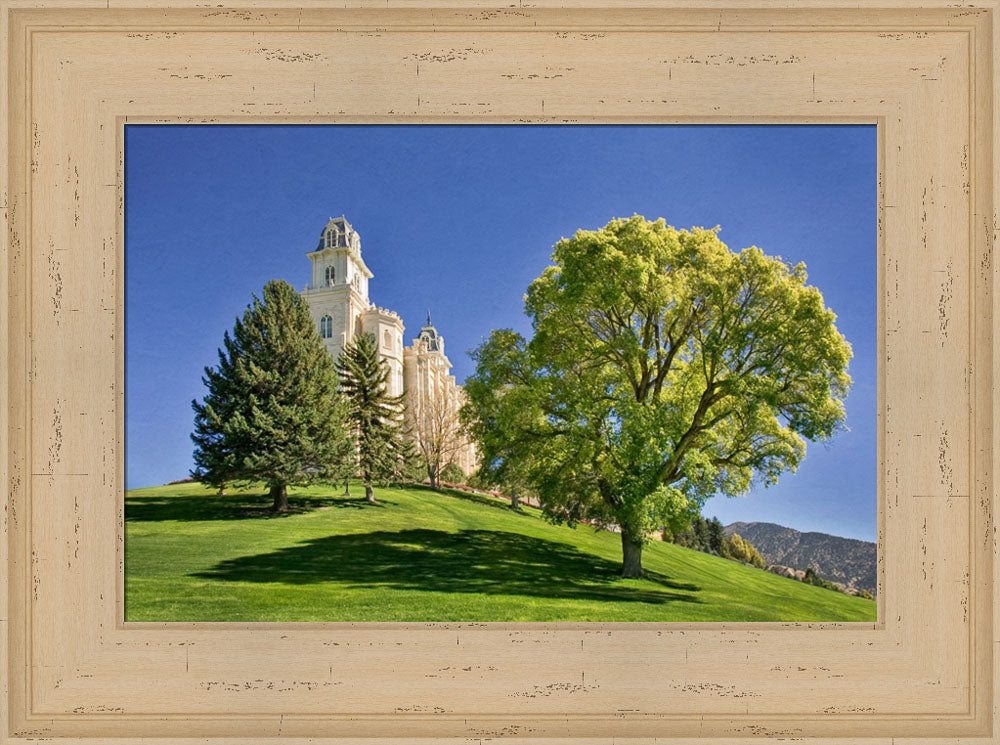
(272, 412)
(664, 368)
(383, 450)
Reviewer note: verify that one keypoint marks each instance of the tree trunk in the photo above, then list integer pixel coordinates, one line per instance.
(515, 501)
(221, 492)
(370, 493)
(432, 473)
(631, 554)
(347, 486)
(280, 496)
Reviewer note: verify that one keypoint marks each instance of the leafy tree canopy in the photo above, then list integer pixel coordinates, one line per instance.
(272, 412)
(664, 368)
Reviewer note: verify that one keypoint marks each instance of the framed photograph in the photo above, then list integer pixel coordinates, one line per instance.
(310, 528)
(165, 168)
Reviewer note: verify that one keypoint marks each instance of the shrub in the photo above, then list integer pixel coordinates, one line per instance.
(476, 480)
(812, 578)
(453, 473)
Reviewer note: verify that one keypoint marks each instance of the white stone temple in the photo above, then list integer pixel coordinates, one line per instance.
(337, 296)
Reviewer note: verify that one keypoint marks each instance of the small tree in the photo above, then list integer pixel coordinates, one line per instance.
(272, 412)
(717, 542)
(742, 550)
(701, 533)
(375, 416)
(438, 431)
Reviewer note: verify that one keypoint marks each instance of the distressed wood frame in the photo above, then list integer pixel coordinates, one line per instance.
(78, 70)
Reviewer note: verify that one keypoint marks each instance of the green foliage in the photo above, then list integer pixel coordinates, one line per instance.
(865, 594)
(453, 474)
(693, 535)
(384, 453)
(410, 466)
(476, 480)
(272, 412)
(710, 537)
(718, 544)
(742, 550)
(812, 578)
(664, 369)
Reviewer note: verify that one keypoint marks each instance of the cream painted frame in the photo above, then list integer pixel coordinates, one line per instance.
(77, 70)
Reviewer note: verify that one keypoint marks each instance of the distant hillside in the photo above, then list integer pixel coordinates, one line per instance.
(846, 560)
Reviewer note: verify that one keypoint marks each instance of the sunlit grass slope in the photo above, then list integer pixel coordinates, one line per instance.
(423, 556)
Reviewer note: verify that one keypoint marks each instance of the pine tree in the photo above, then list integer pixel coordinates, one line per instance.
(376, 416)
(272, 412)
(702, 539)
(717, 538)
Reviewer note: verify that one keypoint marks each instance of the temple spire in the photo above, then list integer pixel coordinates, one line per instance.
(429, 318)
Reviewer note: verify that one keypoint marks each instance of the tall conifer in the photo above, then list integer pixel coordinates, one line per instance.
(272, 412)
(375, 415)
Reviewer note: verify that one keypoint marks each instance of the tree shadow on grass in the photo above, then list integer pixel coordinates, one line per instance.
(235, 507)
(483, 499)
(470, 561)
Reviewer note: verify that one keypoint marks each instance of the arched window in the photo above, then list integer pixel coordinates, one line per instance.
(326, 327)
(331, 238)
(387, 340)
(331, 276)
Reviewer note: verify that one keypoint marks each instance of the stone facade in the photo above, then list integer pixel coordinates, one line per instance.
(337, 296)
(429, 383)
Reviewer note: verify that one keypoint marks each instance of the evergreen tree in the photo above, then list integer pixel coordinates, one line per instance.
(383, 449)
(717, 538)
(272, 412)
(702, 538)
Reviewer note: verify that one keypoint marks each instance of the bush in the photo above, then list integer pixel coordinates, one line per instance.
(477, 481)
(812, 578)
(453, 474)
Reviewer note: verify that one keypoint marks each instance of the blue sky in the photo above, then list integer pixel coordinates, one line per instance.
(459, 220)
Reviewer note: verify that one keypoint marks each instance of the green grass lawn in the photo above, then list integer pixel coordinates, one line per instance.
(423, 556)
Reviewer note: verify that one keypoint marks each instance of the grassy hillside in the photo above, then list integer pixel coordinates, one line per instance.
(423, 556)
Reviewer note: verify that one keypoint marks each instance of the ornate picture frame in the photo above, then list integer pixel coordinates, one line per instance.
(79, 71)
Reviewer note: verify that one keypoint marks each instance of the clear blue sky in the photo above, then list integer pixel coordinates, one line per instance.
(459, 219)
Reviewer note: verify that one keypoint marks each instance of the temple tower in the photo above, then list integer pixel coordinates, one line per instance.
(337, 296)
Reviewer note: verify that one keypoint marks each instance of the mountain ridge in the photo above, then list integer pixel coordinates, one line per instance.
(849, 561)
